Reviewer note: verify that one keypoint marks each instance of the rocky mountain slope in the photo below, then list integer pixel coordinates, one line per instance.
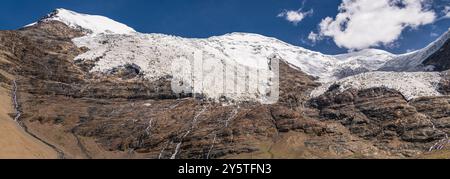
(14, 141)
(104, 91)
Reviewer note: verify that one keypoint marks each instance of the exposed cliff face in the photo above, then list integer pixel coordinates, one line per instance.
(444, 85)
(385, 117)
(120, 114)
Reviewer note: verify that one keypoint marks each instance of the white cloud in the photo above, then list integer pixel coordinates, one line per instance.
(314, 37)
(433, 34)
(367, 23)
(295, 17)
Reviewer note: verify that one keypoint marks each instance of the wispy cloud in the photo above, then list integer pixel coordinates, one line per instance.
(295, 17)
(446, 12)
(314, 37)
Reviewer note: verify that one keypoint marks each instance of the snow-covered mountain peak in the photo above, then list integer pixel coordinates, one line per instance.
(252, 38)
(92, 24)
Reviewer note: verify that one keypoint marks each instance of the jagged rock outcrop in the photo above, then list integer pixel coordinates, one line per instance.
(444, 85)
(386, 117)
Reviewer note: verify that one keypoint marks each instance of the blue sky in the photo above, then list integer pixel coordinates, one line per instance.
(205, 18)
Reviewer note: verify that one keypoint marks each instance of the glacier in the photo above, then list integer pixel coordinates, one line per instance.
(112, 44)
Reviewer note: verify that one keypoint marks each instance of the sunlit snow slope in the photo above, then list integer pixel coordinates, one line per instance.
(93, 24)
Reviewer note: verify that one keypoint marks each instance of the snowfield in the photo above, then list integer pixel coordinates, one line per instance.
(114, 45)
(158, 55)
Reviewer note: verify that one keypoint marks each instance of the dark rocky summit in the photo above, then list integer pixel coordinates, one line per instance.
(121, 115)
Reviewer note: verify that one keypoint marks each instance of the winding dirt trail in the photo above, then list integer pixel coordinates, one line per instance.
(15, 143)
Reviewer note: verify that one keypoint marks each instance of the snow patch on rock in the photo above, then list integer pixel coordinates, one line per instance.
(411, 84)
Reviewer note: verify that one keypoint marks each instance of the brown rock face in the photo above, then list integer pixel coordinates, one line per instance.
(385, 117)
(444, 85)
(122, 115)
(437, 109)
